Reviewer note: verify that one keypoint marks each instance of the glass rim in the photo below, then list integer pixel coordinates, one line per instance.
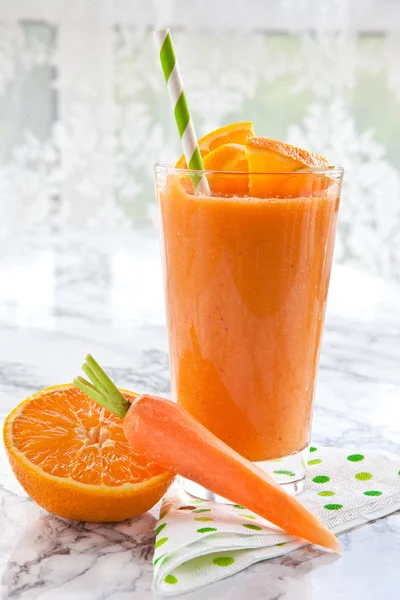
(162, 167)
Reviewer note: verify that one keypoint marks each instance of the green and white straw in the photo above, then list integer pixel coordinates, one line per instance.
(183, 119)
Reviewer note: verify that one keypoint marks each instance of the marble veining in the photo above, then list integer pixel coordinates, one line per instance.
(61, 297)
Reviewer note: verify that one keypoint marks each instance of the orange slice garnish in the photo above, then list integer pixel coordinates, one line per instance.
(229, 157)
(268, 157)
(71, 456)
(235, 133)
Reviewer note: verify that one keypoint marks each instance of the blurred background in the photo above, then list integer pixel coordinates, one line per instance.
(84, 112)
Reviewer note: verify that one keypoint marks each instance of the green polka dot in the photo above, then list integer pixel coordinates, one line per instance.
(198, 501)
(170, 579)
(161, 542)
(281, 544)
(223, 561)
(355, 457)
(239, 507)
(206, 529)
(333, 506)
(201, 510)
(159, 558)
(326, 493)
(373, 493)
(315, 461)
(398, 473)
(251, 526)
(313, 449)
(160, 528)
(203, 519)
(321, 479)
(363, 476)
(247, 516)
(163, 513)
(288, 473)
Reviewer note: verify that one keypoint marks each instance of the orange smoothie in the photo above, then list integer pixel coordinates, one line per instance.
(246, 288)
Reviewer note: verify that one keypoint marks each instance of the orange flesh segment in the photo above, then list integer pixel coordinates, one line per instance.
(229, 157)
(236, 133)
(270, 157)
(82, 440)
(170, 436)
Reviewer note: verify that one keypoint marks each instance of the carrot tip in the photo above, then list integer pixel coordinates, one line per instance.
(333, 544)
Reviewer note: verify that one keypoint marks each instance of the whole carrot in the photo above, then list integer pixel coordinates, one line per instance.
(164, 433)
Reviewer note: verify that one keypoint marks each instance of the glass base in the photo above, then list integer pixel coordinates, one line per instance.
(289, 471)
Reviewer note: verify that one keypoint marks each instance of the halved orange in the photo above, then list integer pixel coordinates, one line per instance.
(270, 157)
(235, 133)
(72, 458)
(228, 157)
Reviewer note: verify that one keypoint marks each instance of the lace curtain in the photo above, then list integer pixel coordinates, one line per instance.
(85, 114)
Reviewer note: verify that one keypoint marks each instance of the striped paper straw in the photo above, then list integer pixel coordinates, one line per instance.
(183, 119)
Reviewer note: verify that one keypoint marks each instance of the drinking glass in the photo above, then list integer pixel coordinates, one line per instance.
(247, 271)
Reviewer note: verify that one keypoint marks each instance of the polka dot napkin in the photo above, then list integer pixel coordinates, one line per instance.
(200, 542)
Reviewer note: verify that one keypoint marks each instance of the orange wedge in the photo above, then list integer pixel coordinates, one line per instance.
(268, 156)
(72, 457)
(228, 157)
(236, 133)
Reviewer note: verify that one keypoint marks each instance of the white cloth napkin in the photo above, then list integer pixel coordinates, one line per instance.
(200, 542)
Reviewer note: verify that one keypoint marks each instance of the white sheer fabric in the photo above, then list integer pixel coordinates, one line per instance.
(85, 112)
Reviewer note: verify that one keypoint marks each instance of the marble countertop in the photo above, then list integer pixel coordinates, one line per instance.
(61, 297)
